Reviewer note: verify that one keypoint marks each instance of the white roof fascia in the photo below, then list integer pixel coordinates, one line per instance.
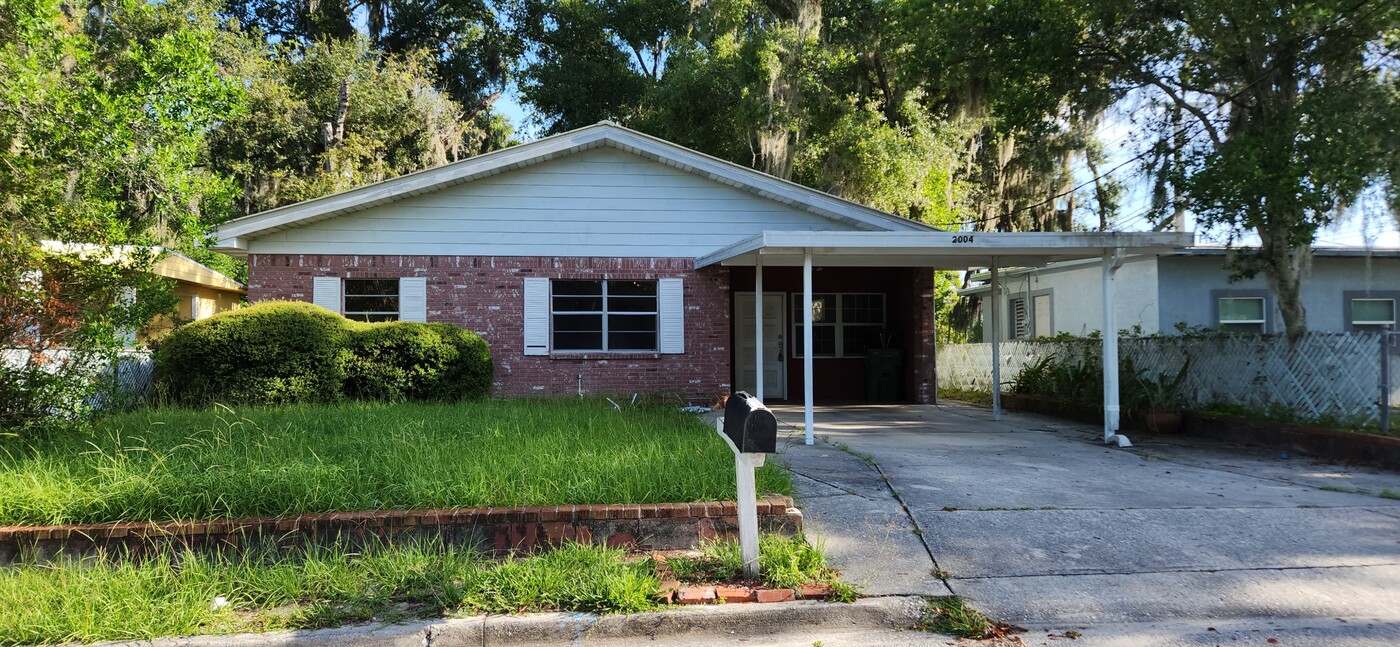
(882, 248)
(233, 235)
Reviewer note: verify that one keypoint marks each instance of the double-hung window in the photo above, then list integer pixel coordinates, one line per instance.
(1373, 314)
(1241, 314)
(371, 299)
(843, 325)
(609, 315)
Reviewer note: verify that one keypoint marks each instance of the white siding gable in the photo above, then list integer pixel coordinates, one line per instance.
(599, 202)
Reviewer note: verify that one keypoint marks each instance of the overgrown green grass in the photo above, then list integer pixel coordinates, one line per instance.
(953, 616)
(171, 464)
(316, 587)
(108, 598)
(973, 396)
(784, 562)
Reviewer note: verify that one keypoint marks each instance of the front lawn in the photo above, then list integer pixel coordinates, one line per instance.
(177, 464)
(322, 586)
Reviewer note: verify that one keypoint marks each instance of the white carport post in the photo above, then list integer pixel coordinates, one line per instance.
(1112, 260)
(807, 343)
(758, 327)
(995, 326)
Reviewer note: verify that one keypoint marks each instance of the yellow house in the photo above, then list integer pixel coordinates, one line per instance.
(203, 291)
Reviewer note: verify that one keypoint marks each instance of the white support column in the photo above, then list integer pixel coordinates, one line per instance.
(1111, 408)
(807, 344)
(758, 327)
(995, 326)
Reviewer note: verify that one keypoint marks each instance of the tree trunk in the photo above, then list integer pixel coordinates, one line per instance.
(333, 132)
(1284, 266)
(778, 137)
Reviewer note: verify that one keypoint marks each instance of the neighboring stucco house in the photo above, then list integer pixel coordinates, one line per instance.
(1347, 289)
(202, 291)
(603, 260)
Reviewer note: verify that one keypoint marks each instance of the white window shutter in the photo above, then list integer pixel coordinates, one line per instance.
(536, 323)
(671, 304)
(413, 298)
(325, 292)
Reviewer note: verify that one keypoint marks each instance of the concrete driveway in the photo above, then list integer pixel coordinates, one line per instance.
(1177, 542)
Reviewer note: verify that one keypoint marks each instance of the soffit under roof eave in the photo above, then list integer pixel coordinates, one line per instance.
(942, 250)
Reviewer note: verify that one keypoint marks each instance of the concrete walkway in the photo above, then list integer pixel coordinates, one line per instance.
(1035, 522)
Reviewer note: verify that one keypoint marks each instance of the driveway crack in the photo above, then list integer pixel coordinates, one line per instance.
(918, 532)
(840, 491)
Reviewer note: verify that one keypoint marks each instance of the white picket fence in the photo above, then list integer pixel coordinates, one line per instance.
(1323, 375)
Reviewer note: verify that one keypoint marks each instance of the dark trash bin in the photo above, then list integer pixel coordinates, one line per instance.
(884, 374)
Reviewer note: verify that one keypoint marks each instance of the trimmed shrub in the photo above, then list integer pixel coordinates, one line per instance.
(394, 360)
(282, 352)
(272, 352)
(469, 374)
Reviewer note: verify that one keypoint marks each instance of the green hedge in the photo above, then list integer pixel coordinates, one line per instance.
(282, 352)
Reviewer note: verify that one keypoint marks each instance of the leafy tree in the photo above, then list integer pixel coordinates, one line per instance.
(332, 116)
(464, 45)
(1286, 115)
(105, 115)
(1012, 71)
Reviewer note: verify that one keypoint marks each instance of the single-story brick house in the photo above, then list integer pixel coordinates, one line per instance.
(606, 261)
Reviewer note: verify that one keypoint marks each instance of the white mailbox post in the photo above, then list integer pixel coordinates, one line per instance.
(744, 466)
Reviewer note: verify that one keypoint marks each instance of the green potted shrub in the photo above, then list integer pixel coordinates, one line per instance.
(1161, 401)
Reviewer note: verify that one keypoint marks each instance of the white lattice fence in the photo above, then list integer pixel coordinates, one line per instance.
(1323, 375)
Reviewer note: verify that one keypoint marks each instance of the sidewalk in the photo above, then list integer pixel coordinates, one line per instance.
(850, 512)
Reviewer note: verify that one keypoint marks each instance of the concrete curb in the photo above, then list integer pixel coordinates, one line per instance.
(723, 622)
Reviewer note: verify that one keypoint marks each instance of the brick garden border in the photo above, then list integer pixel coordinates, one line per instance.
(656, 526)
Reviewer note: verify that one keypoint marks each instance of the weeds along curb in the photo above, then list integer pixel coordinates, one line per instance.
(724, 622)
(659, 526)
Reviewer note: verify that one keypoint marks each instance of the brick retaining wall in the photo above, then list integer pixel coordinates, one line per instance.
(659, 526)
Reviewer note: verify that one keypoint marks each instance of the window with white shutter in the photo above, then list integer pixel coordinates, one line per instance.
(672, 310)
(325, 292)
(413, 299)
(372, 300)
(536, 315)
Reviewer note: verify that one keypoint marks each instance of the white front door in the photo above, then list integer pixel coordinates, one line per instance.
(774, 366)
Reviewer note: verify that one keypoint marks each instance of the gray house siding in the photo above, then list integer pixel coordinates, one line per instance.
(1188, 287)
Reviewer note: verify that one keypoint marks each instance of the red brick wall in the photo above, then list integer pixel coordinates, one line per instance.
(485, 294)
(910, 314)
(921, 365)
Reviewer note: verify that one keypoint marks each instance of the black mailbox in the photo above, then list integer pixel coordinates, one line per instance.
(751, 426)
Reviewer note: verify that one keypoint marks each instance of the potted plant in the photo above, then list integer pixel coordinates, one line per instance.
(1161, 398)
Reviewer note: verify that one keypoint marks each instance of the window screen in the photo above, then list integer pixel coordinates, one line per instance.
(1242, 314)
(604, 315)
(371, 299)
(843, 325)
(1377, 313)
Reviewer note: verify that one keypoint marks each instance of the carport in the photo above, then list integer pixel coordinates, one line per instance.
(943, 251)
